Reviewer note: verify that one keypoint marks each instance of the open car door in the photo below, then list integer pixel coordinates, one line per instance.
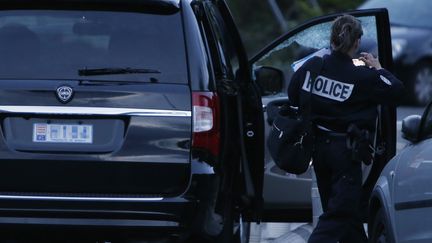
(287, 197)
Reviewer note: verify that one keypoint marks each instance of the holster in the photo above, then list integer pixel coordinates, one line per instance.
(359, 141)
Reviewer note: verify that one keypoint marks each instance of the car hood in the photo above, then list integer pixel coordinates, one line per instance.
(410, 44)
(410, 33)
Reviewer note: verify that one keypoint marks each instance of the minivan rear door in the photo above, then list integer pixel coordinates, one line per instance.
(95, 101)
(242, 133)
(287, 197)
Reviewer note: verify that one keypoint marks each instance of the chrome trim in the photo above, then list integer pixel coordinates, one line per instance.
(116, 199)
(75, 110)
(89, 222)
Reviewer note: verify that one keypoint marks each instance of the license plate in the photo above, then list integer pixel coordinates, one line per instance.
(62, 133)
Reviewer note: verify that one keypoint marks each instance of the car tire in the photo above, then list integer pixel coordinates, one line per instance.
(421, 85)
(381, 231)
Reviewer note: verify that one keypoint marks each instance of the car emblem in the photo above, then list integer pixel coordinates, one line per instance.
(64, 93)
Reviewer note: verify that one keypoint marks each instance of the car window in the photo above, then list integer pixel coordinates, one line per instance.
(43, 44)
(288, 55)
(415, 13)
(222, 45)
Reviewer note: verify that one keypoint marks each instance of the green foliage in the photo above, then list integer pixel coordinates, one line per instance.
(305, 10)
(338, 5)
(256, 22)
(259, 26)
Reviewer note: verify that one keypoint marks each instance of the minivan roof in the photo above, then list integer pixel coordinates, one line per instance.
(159, 6)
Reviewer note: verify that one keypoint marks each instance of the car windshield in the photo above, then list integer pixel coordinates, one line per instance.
(47, 44)
(415, 13)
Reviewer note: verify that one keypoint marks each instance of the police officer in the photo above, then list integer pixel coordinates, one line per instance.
(343, 95)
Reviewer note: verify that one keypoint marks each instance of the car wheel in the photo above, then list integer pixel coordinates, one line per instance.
(380, 229)
(422, 84)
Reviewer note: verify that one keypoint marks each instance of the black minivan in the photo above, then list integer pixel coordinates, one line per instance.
(147, 117)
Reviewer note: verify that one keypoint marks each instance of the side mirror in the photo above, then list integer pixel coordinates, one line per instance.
(411, 127)
(269, 79)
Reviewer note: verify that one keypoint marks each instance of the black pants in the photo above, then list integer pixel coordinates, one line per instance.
(339, 182)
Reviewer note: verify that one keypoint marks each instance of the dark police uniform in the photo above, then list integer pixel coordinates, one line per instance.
(343, 94)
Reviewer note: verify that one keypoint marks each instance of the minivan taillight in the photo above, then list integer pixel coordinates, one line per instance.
(205, 122)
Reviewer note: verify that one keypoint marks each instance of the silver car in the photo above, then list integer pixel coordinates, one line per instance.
(401, 201)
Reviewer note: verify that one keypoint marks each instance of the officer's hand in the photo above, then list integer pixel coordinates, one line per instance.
(370, 60)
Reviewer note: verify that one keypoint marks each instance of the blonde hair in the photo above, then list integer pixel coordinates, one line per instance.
(346, 29)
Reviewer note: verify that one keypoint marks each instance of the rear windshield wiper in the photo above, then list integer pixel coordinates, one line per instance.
(111, 71)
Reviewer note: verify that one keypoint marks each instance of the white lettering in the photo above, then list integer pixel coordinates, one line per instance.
(329, 88)
(307, 82)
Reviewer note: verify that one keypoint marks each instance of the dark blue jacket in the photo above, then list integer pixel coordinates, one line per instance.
(344, 93)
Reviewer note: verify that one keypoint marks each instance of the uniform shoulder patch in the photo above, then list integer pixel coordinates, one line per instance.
(385, 80)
